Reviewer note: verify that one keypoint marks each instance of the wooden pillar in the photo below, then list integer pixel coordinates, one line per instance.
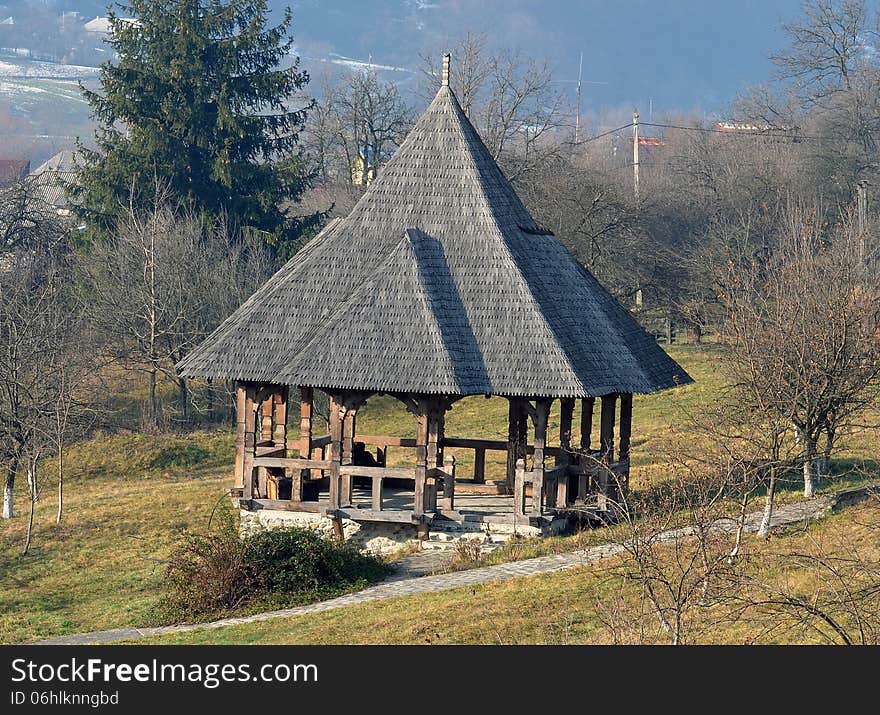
(348, 431)
(421, 459)
(335, 448)
(542, 415)
(519, 488)
(266, 407)
(566, 415)
(279, 418)
(624, 438)
(588, 405)
(479, 466)
(436, 413)
(512, 440)
(606, 437)
(240, 422)
(448, 500)
(306, 407)
(250, 440)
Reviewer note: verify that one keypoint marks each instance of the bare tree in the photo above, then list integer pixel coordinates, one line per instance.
(804, 330)
(37, 320)
(182, 275)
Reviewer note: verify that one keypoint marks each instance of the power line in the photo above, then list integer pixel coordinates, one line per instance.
(775, 133)
(600, 136)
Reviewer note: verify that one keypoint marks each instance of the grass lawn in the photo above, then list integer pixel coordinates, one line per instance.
(128, 496)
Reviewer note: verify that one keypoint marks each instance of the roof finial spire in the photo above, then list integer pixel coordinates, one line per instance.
(445, 79)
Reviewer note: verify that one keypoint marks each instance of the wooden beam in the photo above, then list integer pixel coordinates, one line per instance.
(376, 494)
(607, 419)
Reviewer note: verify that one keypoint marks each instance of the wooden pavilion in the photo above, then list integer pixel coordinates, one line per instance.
(437, 286)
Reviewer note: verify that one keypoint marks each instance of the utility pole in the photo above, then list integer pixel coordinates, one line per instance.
(636, 155)
(577, 116)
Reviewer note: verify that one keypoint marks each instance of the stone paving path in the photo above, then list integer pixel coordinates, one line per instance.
(410, 580)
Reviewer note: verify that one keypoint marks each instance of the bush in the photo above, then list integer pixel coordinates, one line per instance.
(218, 573)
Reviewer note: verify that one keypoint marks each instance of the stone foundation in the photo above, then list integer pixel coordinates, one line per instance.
(377, 538)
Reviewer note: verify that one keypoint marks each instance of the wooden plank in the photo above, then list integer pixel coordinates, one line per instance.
(388, 515)
(292, 463)
(357, 470)
(311, 507)
(566, 416)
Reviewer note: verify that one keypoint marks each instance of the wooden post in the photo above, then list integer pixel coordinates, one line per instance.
(421, 459)
(335, 448)
(434, 452)
(606, 437)
(348, 430)
(479, 465)
(588, 406)
(606, 440)
(250, 440)
(519, 488)
(279, 418)
(448, 501)
(566, 415)
(626, 407)
(306, 405)
(267, 407)
(240, 422)
(542, 415)
(625, 437)
(512, 440)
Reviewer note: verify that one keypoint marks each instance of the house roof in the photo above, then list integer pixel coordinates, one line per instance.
(13, 169)
(438, 281)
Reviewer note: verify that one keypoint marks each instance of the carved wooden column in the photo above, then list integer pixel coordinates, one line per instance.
(625, 437)
(250, 439)
(349, 422)
(606, 440)
(421, 460)
(588, 405)
(566, 415)
(306, 406)
(335, 455)
(542, 416)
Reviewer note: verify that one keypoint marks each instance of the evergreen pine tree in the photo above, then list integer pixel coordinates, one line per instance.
(197, 101)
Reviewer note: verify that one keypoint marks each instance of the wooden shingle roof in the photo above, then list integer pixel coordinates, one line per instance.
(438, 281)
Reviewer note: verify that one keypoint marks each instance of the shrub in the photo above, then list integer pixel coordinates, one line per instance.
(219, 572)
